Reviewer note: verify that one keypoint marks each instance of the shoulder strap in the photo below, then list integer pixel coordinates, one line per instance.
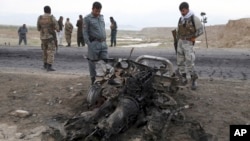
(179, 20)
(192, 20)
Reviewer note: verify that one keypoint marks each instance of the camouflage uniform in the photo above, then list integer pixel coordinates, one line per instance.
(95, 37)
(68, 32)
(47, 25)
(188, 29)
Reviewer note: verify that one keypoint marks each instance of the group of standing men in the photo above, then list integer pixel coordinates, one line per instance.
(68, 29)
(94, 34)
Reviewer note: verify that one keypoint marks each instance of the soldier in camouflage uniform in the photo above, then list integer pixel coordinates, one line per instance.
(95, 37)
(68, 31)
(47, 25)
(189, 28)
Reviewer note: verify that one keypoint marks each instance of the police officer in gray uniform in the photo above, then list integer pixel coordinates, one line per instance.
(189, 28)
(95, 37)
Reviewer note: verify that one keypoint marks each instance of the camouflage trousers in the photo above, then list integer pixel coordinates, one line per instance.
(68, 38)
(48, 47)
(185, 56)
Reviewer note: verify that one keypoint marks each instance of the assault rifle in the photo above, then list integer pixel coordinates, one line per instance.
(175, 40)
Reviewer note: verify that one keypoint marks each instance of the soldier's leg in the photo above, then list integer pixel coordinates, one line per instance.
(25, 40)
(20, 40)
(44, 46)
(181, 61)
(92, 71)
(92, 55)
(180, 57)
(104, 54)
(50, 53)
(190, 58)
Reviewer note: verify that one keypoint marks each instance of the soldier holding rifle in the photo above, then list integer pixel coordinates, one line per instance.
(189, 28)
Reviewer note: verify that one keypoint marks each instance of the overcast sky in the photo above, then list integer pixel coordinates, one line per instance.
(128, 13)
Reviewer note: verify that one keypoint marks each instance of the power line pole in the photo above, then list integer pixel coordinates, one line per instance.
(204, 20)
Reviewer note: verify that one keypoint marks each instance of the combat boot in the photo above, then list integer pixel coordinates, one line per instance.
(194, 78)
(49, 68)
(45, 65)
(184, 80)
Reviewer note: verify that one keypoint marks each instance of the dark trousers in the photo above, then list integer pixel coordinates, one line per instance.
(113, 37)
(22, 38)
(80, 40)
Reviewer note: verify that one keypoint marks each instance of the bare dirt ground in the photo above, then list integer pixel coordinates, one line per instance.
(222, 98)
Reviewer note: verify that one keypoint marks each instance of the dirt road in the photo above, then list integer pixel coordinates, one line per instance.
(226, 63)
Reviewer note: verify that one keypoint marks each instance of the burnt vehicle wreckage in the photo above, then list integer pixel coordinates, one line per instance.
(128, 93)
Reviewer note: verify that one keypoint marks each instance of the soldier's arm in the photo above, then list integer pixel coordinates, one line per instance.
(85, 30)
(38, 25)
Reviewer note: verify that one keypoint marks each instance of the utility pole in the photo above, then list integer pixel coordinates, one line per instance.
(204, 20)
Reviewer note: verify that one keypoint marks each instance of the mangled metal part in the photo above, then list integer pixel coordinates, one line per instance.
(164, 100)
(124, 114)
(169, 66)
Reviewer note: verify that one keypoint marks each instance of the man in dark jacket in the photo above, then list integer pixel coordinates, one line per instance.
(79, 25)
(22, 31)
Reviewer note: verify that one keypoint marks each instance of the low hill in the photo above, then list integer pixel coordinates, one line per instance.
(236, 33)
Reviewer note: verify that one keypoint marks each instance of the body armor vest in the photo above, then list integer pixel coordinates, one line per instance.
(186, 29)
(46, 24)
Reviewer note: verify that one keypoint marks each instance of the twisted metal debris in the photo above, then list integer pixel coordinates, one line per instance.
(128, 93)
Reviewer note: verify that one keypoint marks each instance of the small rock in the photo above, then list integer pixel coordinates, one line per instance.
(60, 101)
(20, 113)
(14, 92)
(19, 135)
(79, 84)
